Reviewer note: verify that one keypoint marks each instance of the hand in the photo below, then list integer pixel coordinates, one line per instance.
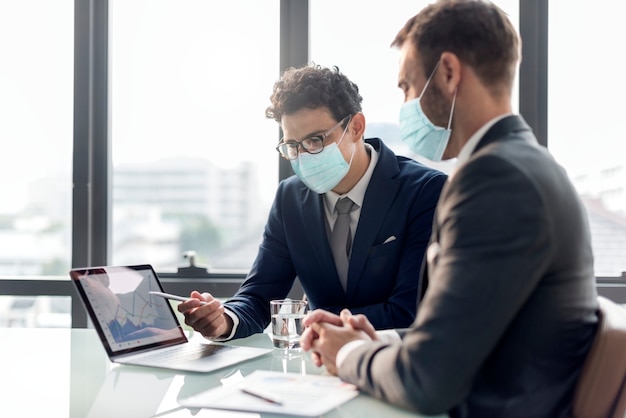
(307, 337)
(209, 319)
(358, 322)
(326, 333)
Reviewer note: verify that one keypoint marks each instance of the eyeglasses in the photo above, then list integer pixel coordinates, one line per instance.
(313, 144)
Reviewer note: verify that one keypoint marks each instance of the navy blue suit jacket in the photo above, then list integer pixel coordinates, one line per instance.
(383, 277)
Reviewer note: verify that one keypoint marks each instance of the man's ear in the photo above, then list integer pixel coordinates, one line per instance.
(357, 126)
(450, 72)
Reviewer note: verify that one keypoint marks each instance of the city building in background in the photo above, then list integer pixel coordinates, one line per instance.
(193, 164)
(162, 210)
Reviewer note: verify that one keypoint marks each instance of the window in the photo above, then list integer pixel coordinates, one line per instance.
(357, 39)
(36, 114)
(584, 119)
(194, 165)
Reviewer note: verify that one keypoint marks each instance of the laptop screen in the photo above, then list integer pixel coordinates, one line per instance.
(124, 313)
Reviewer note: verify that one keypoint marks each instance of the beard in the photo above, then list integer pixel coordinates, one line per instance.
(436, 107)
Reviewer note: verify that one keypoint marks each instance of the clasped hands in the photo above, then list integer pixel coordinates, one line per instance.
(326, 333)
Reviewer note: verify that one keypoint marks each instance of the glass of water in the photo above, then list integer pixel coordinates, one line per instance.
(287, 316)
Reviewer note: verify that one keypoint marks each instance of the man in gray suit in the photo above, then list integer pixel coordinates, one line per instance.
(510, 309)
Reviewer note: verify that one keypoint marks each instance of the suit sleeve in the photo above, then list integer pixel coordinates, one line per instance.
(493, 245)
(271, 276)
(398, 310)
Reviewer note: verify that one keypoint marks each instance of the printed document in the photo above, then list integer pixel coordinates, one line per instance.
(278, 393)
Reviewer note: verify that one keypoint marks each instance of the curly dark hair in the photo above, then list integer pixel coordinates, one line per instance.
(314, 87)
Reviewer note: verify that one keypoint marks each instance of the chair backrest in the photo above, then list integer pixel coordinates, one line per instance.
(601, 388)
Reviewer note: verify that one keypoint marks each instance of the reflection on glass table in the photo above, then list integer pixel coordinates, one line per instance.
(66, 373)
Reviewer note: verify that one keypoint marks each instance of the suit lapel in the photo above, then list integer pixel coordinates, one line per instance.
(379, 197)
(315, 228)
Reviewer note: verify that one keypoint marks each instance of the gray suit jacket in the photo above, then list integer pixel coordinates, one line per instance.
(510, 310)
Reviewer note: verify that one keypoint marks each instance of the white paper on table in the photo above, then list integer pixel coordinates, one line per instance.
(303, 395)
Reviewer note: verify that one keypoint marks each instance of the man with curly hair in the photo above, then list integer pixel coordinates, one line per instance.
(375, 270)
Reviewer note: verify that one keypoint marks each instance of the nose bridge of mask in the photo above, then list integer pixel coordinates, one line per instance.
(321, 172)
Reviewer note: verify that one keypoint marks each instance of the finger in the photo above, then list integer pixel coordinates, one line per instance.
(317, 359)
(201, 317)
(188, 305)
(306, 339)
(211, 310)
(320, 315)
(317, 328)
(322, 330)
(207, 297)
(212, 328)
(326, 362)
(195, 298)
(345, 316)
(360, 322)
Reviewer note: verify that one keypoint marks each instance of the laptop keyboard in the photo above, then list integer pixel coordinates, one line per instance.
(183, 353)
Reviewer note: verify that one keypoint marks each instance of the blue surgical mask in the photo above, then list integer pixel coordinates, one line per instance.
(419, 133)
(322, 172)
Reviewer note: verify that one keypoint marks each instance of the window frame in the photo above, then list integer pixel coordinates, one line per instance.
(92, 168)
(92, 165)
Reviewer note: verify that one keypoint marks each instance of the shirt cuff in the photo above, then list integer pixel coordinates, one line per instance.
(346, 350)
(386, 336)
(230, 336)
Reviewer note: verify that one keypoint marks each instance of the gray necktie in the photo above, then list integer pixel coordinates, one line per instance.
(341, 238)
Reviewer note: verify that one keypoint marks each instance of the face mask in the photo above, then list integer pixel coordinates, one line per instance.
(322, 172)
(419, 133)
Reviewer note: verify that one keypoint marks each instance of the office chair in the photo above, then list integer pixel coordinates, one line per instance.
(601, 388)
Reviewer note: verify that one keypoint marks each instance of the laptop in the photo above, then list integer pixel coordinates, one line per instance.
(141, 329)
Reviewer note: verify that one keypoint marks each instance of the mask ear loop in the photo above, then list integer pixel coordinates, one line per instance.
(452, 110)
(352, 156)
(429, 78)
(344, 132)
(353, 144)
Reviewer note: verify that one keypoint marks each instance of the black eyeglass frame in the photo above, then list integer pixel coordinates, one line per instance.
(289, 150)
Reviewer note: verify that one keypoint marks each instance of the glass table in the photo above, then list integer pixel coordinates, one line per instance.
(66, 373)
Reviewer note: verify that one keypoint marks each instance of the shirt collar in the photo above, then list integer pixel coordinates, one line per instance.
(472, 143)
(357, 193)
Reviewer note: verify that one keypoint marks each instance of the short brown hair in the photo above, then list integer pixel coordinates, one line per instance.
(476, 31)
